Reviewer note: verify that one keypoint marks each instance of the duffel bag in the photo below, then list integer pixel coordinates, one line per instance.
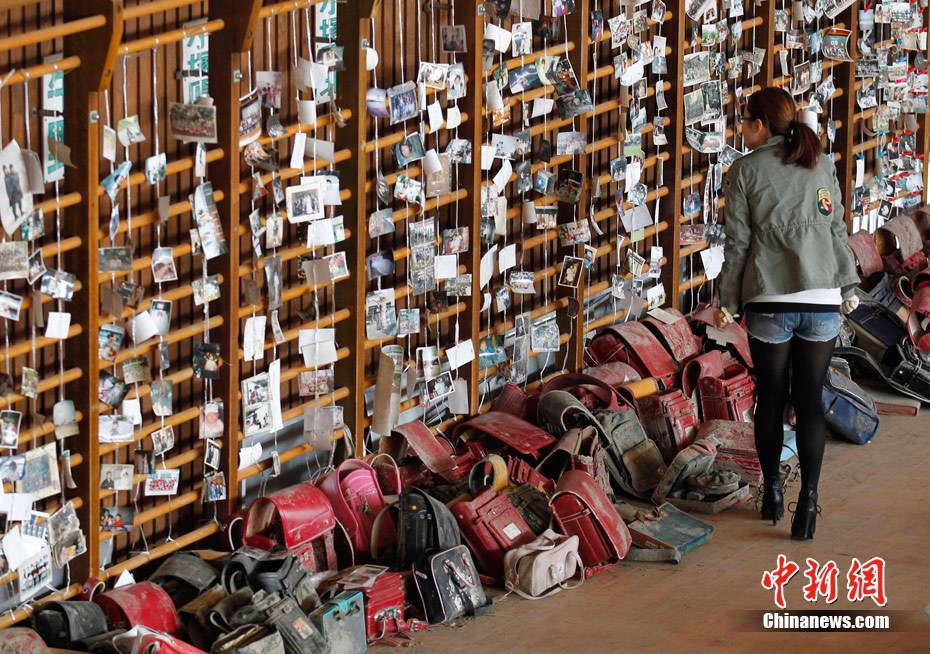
(544, 567)
(849, 411)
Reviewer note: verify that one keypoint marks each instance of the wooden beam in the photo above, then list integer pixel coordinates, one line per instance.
(470, 178)
(84, 99)
(353, 175)
(227, 47)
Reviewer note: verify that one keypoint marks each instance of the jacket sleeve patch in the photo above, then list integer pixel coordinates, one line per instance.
(824, 202)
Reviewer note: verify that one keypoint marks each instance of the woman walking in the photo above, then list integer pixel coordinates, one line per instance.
(788, 267)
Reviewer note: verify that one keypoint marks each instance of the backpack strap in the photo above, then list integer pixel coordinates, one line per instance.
(905, 232)
(677, 337)
(920, 309)
(862, 244)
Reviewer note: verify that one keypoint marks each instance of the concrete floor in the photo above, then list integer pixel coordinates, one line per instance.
(874, 500)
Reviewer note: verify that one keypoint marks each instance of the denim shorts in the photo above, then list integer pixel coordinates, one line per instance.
(780, 327)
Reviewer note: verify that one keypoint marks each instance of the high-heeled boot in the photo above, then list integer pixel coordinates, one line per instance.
(805, 515)
(773, 507)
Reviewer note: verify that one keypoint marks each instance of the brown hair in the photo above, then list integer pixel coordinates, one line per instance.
(777, 111)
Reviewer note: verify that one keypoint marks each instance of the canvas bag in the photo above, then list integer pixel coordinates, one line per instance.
(543, 567)
(848, 410)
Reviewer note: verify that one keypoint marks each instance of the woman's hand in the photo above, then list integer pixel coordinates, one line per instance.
(722, 318)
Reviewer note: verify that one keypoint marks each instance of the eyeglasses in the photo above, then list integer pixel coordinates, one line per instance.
(740, 118)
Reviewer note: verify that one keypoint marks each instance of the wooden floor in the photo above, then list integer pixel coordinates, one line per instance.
(875, 503)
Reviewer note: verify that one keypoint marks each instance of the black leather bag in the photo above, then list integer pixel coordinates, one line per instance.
(424, 525)
(877, 328)
(448, 586)
(910, 373)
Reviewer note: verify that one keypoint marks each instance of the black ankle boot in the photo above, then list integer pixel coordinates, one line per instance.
(805, 515)
(773, 507)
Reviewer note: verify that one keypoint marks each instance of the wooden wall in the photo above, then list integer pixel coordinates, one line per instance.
(121, 59)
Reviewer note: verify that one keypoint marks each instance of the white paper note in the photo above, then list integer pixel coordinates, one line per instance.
(297, 152)
(487, 157)
(142, 327)
(487, 267)
(446, 266)
(453, 117)
(461, 354)
(306, 111)
(502, 178)
(434, 111)
(507, 258)
(250, 455)
(125, 579)
(323, 150)
(58, 324)
(542, 106)
(431, 163)
(274, 380)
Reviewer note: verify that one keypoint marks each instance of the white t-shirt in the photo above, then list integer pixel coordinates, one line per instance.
(811, 296)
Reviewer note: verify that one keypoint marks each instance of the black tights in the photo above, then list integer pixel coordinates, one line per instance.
(808, 362)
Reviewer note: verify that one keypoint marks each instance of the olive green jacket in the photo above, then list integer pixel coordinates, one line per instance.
(784, 229)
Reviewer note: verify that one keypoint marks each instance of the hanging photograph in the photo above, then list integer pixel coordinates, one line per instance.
(163, 269)
(10, 305)
(14, 260)
(116, 477)
(156, 168)
(571, 272)
(250, 119)
(163, 482)
(136, 370)
(160, 312)
(409, 150)
(114, 428)
(65, 419)
(9, 428)
(117, 519)
(33, 226)
(36, 266)
(206, 290)
(305, 202)
(212, 415)
(209, 227)
(376, 101)
(268, 84)
(433, 75)
(453, 38)
(15, 202)
(111, 390)
(162, 394)
(207, 360)
(212, 454)
(129, 131)
(143, 462)
(403, 103)
(216, 486)
(163, 440)
(434, 389)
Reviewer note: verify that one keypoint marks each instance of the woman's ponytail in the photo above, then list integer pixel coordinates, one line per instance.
(802, 145)
(776, 109)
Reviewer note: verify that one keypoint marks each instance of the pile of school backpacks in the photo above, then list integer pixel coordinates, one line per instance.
(548, 488)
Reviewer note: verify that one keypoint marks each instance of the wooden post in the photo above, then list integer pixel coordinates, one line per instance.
(845, 76)
(673, 167)
(470, 178)
(227, 47)
(83, 102)
(578, 26)
(353, 175)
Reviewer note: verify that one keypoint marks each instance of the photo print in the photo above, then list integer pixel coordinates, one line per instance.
(194, 123)
(116, 477)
